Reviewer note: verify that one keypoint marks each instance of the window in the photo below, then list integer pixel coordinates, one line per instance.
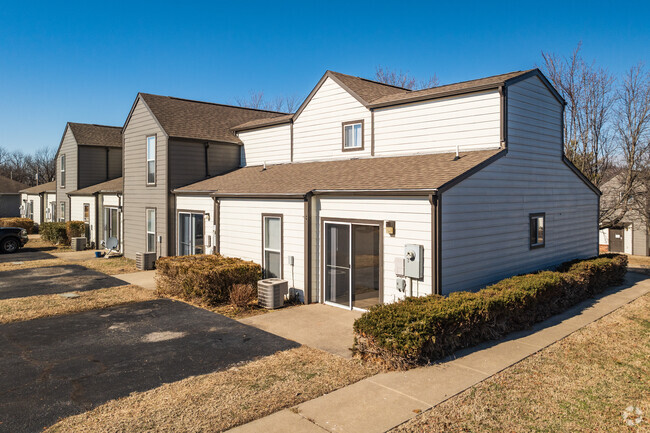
(151, 160)
(537, 230)
(62, 215)
(30, 209)
(86, 213)
(272, 260)
(353, 135)
(62, 163)
(151, 230)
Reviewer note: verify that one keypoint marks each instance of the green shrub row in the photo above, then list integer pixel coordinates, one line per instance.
(62, 232)
(204, 278)
(23, 223)
(419, 330)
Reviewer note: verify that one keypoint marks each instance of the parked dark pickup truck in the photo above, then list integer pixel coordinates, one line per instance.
(12, 239)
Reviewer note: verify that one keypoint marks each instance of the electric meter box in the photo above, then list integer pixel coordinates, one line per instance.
(414, 261)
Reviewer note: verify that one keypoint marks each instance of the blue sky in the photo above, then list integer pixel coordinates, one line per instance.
(81, 62)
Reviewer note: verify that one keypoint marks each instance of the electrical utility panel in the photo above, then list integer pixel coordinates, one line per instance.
(414, 261)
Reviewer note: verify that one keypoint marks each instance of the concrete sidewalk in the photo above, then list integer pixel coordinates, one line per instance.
(144, 279)
(381, 402)
(316, 325)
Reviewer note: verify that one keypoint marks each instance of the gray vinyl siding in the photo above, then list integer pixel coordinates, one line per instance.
(69, 148)
(187, 161)
(485, 218)
(639, 239)
(138, 196)
(93, 166)
(187, 165)
(114, 162)
(9, 205)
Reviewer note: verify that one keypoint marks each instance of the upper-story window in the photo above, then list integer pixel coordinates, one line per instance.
(62, 162)
(151, 160)
(353, 135)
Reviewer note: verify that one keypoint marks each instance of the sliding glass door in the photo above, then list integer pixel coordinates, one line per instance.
(190, 233)
(352, 264)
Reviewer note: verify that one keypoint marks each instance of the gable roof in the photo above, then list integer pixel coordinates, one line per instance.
(373, 94)
(486, 83)
(96, 135)
(10, 186)
(426, 172)
(114, 185)
(44, 187)
(185, 118)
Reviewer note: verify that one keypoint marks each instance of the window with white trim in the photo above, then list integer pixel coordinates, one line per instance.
(62, 215)
(537, 231)
(151, 160)
(151, 230)
(272, 247)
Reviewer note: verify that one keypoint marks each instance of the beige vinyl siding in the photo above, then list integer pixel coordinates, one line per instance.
(271, 145)
(138, 196)
(77, 212)
(199, 204)
(412, 216)
(69, 149)
(241, 232)
(485, 221)
(639, 239)
(471, 122)
(317, 132)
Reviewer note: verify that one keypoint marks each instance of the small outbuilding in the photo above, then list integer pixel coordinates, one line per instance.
(10, 197)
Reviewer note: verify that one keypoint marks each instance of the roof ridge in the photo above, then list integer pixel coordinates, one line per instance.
(94, 124)
(371, 81)
(476, 79)
(215, 103)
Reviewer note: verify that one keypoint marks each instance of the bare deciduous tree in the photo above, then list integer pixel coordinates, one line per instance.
(285, 104)
(632, 128)
(24, 167)
(589, 95)
(403, 79)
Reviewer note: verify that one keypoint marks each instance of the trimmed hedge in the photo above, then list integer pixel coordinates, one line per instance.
(419, 330)
(204, 278)
(23, 223)
(54, 232)
(75, 229)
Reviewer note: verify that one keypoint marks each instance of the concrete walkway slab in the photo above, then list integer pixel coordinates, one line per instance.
(384, 401)
(285, 421)
(321, 326)
(380, 408)
(144, 279)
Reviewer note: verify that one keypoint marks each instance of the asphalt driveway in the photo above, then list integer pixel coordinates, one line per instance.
(53, 279)
(60, 366)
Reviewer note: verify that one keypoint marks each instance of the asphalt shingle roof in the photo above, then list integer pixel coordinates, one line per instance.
(10, 186)
(114, 185)
(424, 172)
(198, 120)
(44, 187)
(96, 135)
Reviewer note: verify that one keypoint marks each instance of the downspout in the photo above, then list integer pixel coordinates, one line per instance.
(503, 117)
(436, 243)
(120, 218)
(205, 154)
(217, 225)
(96, 240)
(307, 246)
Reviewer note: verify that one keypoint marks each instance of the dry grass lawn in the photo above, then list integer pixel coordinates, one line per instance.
(36, 243)
(222, 400)
(112, 266)
(33, 307)
(583, 383)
